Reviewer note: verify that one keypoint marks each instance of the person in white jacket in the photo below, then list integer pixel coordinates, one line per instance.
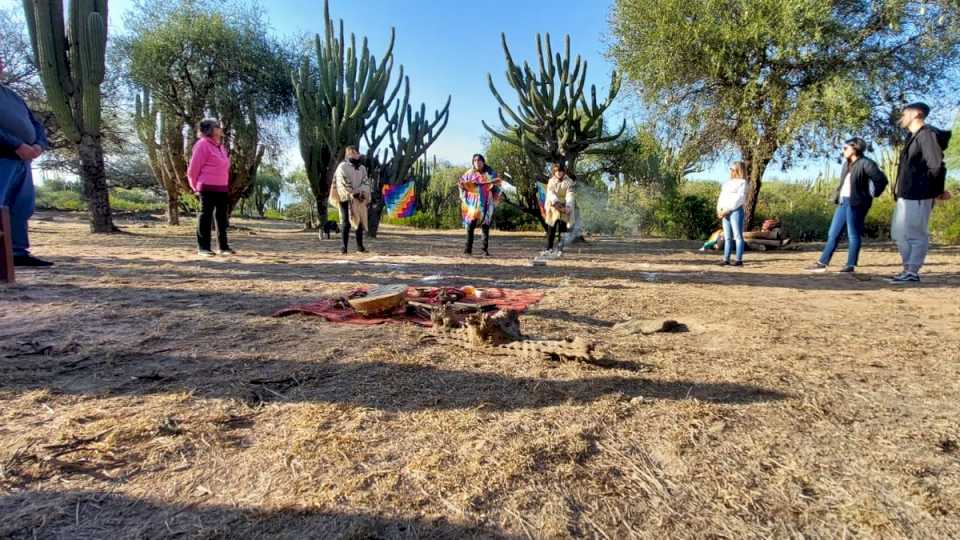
(350, 193)
(558, 207)
(733, 195)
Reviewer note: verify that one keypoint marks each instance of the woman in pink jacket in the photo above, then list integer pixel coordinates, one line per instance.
(209, 174)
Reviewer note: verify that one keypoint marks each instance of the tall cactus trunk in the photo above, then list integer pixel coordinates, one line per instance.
(71, 54)
(95, 189)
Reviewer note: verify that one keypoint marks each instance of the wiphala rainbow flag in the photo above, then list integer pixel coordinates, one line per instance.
(400, 200)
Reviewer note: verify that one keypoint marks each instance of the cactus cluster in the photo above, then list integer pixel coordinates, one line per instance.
(346, 97)
(160, 133)
(553, 120)
(71, 60)
(71, 57)
(338, 98)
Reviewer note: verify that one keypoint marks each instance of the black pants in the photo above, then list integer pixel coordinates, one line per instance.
(345, 227)
(213, 204)
(471, 229)
(557, 229)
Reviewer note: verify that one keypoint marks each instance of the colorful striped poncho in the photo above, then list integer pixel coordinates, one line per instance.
(479, 195)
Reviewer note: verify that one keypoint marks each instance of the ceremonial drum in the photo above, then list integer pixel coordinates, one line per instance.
(380, 300)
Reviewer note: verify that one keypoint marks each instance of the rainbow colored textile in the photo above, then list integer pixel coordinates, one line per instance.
(479, 194)
(400, 200)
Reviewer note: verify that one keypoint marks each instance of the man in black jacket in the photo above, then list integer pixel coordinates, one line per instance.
(22, 139)
(920, 181)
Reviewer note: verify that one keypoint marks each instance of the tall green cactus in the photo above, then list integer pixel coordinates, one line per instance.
(410, 135)
(339, 98)
(71, 58)
(554, 120)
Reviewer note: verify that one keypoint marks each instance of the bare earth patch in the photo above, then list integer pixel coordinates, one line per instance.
(146, 393)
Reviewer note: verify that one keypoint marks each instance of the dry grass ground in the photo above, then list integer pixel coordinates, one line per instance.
(145, 393)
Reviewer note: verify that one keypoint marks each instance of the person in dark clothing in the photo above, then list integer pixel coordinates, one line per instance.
(22, 140)
(921, 178)
(861, 181)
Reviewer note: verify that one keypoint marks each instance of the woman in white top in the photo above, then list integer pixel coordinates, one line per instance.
(733, 195)
(861, 181)
(558, 206)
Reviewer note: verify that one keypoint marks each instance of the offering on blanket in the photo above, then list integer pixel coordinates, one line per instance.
(380, 300)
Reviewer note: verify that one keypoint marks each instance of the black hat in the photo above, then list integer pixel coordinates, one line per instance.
(919, 106)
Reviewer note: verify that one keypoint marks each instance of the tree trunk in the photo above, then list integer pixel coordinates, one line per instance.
(173, 208)
(321, 213)
(757, 167)
(374, 214)
(95, 189)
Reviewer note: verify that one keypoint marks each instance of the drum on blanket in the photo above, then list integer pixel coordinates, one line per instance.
(380, 300)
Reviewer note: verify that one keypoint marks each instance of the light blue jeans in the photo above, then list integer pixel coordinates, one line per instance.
(847, 218)
(733, 232)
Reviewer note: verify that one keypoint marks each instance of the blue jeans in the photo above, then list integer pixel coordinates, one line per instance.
(733, 230)
(16, 192)
(851, 219)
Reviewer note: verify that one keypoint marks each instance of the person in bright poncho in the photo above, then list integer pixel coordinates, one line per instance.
(480, 191)
(350, 193)
(558, 207)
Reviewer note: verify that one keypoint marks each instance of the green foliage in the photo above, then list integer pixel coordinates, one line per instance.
(945, 221)
(776, 78)
(686, 216)
(197, 57)
(59, 194)
(524, 171)
(553, 121)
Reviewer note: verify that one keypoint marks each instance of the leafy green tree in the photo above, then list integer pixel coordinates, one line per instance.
(264, 192)
(775, 79)
(197, 58)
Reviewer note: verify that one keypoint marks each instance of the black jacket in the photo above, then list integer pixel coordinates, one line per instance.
(861, 173)
(922, 173)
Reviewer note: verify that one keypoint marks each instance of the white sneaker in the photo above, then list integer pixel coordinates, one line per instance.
(205, 253)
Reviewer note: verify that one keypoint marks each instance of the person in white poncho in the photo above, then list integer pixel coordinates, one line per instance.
(558, 207)
(350, 193)
(733, 195)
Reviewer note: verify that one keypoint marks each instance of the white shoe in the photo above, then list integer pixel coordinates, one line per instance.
(205, 253)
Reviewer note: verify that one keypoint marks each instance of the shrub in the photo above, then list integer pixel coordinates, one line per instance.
(686, 216)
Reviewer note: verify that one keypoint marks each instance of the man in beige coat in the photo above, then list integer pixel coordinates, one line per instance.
(350, 193)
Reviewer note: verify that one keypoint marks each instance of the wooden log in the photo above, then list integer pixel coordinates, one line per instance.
(762, 235)
(7, 274)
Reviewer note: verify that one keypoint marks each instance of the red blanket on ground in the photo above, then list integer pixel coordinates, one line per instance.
(338, 311)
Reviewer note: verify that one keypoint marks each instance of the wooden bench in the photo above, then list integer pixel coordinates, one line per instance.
(6, 248)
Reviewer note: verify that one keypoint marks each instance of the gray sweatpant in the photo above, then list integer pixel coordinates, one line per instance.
(911, 230)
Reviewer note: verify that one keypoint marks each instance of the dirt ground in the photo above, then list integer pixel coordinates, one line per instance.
(145, 393)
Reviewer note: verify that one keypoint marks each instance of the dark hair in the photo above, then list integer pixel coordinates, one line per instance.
(486, 168)
(859, 145)
(349, 148)
(920, 107)
(558, 167)
(207, 125)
